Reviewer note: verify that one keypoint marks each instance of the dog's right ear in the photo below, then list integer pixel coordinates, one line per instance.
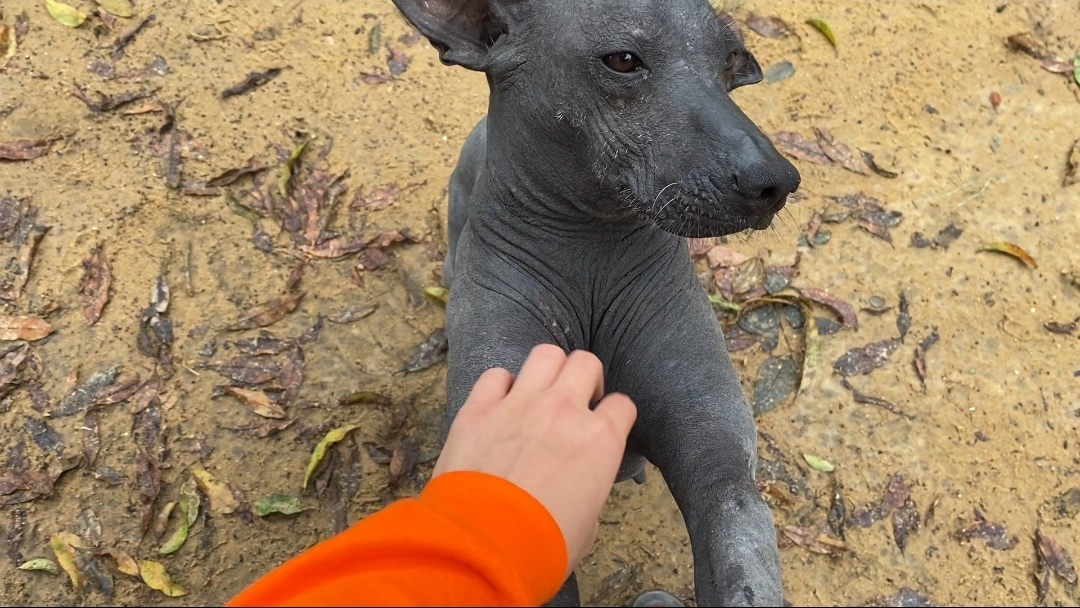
(461, 30)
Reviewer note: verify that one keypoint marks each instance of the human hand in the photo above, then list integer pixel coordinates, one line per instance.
(538, 432)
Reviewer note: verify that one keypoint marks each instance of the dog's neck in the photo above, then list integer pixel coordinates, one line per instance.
(536, 186)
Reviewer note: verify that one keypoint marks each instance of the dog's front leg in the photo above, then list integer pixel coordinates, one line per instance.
(694, 425)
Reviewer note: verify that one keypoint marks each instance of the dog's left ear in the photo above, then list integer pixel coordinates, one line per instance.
(746, 70)
(463, 31)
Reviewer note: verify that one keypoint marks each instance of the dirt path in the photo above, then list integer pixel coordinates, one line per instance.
(993, 428)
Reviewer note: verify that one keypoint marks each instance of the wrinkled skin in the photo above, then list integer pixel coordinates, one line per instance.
(568, 210)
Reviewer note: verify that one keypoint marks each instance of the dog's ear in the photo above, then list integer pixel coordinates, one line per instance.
(746, 70)
(461, 30)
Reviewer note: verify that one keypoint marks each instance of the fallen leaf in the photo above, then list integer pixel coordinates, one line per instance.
(124, 562)
(868, 158)
(994, 534)
(63, 545)
(776, 379)
(824, 28)
(90, 438)
(268, 313)
(847, 314)
(97, 277)
(720, 256)
(1025, 43)
(404, 459)
(248, 369)
(278, 503)
(1072, 172)
(865, 359)
(920, 355)
(378, 453)
(1076, 67)
(905, 521)
(397, 62)
(41, 563)
(65, 14)
(1055, 557)
(430, 353)
(24, 328)
(189, 512)
(365, 397)
(838, 152)
(799, 147)
(1061, 329)
(878, 401)
(23, 149)
(120, 8)
(1013, 250)
(287, 169)
(818, 464)
(155, 577)
(354, 314)
(905, 597)
(903, 316)
(260, 345)
(319, 452)
(148, 482)
(837, 511)
(251, 81)
(292, 373)
(262, 428)
(816, 542)
(769, 27)
(439, 295)
(232, 175)
(219, 494)
(86, 394)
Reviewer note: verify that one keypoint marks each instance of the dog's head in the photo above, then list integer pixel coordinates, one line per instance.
(632, 99)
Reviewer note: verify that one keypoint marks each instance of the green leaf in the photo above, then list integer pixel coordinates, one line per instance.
(330, 439)
(721, 302)
(189, 512)
(278, 503)
(824, 29)
(1076, 67)
(65, 13)
(41, 563)
(818, 464)
(287, 170)
(120, 8)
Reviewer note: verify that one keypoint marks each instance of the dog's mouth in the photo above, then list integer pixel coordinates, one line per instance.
(695, 217)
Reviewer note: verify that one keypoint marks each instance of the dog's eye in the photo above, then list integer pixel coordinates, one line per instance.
(731, 58)
(622, 62)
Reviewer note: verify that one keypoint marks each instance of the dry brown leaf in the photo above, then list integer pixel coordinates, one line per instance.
(269, 313)
(23, 149)
(799, 147)
(839, 153)
(221, 497)
(258, 401)
(1055, 557)
(97, 277)
(816, 542)
(24, 328)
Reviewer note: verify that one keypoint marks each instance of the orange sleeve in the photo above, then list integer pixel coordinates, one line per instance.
(469, 538)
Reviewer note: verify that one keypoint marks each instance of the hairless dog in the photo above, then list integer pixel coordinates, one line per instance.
(610, 137)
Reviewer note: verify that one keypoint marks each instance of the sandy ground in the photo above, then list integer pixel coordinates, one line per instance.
(993, 428)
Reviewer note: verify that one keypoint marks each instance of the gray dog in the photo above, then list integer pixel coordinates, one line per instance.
(610, 137)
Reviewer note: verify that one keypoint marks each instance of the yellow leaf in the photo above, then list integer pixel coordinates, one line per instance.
(124, 562)
(61, 544)
(287, 170)
(824, 29)
(330, 439)
(818, 464)
(155, 577)
(221, 497)
(65, 13)
(1013, 250)
(439, 294)
(120, 8)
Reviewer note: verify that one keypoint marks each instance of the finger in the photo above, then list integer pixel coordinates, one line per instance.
(620, 411)
(491, 387)
(540, 369)
(583, 375)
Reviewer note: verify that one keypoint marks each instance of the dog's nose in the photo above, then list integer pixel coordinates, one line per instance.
(765, 176)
